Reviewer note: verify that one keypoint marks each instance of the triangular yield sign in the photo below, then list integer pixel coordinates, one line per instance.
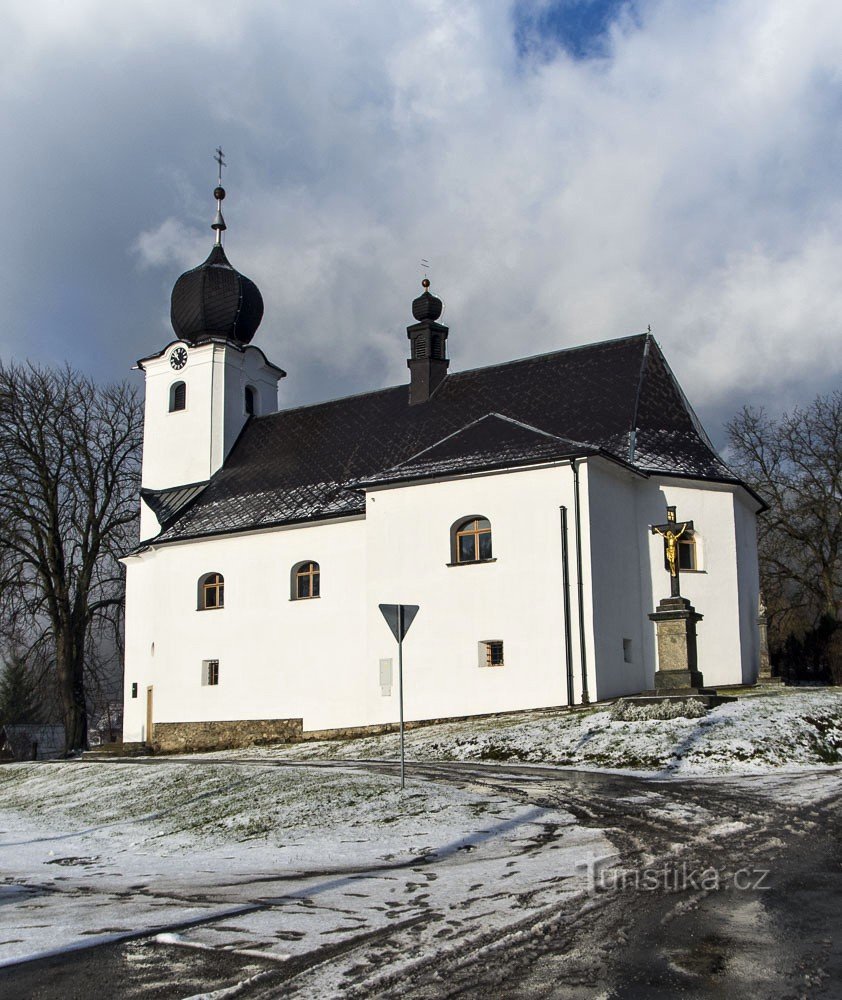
(392, 614)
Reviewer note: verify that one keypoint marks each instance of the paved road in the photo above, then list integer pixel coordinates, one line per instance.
(719, 889)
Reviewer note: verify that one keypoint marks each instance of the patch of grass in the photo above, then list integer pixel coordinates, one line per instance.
(493, 751)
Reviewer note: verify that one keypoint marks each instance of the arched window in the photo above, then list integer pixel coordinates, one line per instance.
(211, 592)
(178, 396)
(250, 400)
(305, 581)
(470, 540)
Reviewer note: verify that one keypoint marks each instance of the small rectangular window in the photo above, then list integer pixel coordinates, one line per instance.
(686, 554)
(134, 690)
(627, 650)
(210, 673)
(491, 653)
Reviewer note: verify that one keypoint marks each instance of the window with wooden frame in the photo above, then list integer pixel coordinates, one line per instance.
(688, 561)
(211, 592)
(491, 653)
(178, 396)
(305, 581)
(210, 673)
(471, 540)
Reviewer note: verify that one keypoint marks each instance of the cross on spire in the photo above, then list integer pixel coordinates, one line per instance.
(219, 193)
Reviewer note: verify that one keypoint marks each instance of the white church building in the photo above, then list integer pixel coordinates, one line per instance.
(511, 503)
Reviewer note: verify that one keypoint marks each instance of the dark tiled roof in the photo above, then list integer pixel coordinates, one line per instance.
(309, 462)
(166, 504)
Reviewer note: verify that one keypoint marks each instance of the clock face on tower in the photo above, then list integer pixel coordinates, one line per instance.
(178, 358)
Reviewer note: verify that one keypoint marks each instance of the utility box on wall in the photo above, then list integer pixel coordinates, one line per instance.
(386, 678)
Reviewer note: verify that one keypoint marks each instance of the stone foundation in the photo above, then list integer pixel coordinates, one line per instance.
(187, 737)
(190, 737)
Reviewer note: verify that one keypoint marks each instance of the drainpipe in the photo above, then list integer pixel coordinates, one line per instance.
(580, 586)
(568, 639)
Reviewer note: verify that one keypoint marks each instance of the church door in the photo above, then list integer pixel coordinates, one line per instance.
(150, 730)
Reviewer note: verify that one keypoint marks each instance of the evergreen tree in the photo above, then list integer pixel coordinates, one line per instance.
(18, 701)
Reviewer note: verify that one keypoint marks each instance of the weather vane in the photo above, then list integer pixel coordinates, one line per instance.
(426, 265)
(219, 194)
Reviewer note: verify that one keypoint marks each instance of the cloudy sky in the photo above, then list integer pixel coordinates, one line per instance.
(573, 170)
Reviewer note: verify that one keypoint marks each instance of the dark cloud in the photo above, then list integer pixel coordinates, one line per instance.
(686, 179)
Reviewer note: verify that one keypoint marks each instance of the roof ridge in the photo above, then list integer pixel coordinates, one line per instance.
(641, 376)
(550, 354)
(459, 374)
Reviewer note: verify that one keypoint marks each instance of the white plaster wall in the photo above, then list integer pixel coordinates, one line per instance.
(278, 658)
(721, 587)
(745, 510)
(630, 578)
(319, 660)
(516, 599)
(621, 585)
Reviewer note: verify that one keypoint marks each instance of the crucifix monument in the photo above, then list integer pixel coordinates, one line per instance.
(675, 619)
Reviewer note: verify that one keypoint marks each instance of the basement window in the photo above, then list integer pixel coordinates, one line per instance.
(491, 653)
(210, 673)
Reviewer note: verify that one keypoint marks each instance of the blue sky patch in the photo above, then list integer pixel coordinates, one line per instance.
(580, 27)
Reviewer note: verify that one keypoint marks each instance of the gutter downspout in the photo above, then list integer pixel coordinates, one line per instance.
(565, 569)
(580, 585)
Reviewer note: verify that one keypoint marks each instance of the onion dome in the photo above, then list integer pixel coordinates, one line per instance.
(426, 306)
(215, 300)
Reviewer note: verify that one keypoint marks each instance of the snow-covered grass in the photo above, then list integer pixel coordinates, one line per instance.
(266, 860)
(755, 734)
(218, 804)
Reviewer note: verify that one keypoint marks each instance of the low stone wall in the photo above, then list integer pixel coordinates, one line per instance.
(187, 737)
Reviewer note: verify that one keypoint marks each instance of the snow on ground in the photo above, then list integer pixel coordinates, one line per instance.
(754, 735)
(264, 860)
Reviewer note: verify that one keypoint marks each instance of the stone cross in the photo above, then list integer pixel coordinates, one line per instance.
(671, 532)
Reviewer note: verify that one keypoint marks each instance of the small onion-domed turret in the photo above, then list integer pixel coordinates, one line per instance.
(426, 306)
(215, 300)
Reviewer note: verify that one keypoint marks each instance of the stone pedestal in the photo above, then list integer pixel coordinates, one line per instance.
(678, 669)
(764, 674)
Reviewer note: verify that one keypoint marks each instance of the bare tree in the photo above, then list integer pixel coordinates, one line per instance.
(69, 477)
(795, 464)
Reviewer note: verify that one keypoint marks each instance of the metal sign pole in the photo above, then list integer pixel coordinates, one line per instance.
(399, 617)
(400, 689)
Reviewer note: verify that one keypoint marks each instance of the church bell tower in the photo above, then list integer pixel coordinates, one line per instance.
(204, 385)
